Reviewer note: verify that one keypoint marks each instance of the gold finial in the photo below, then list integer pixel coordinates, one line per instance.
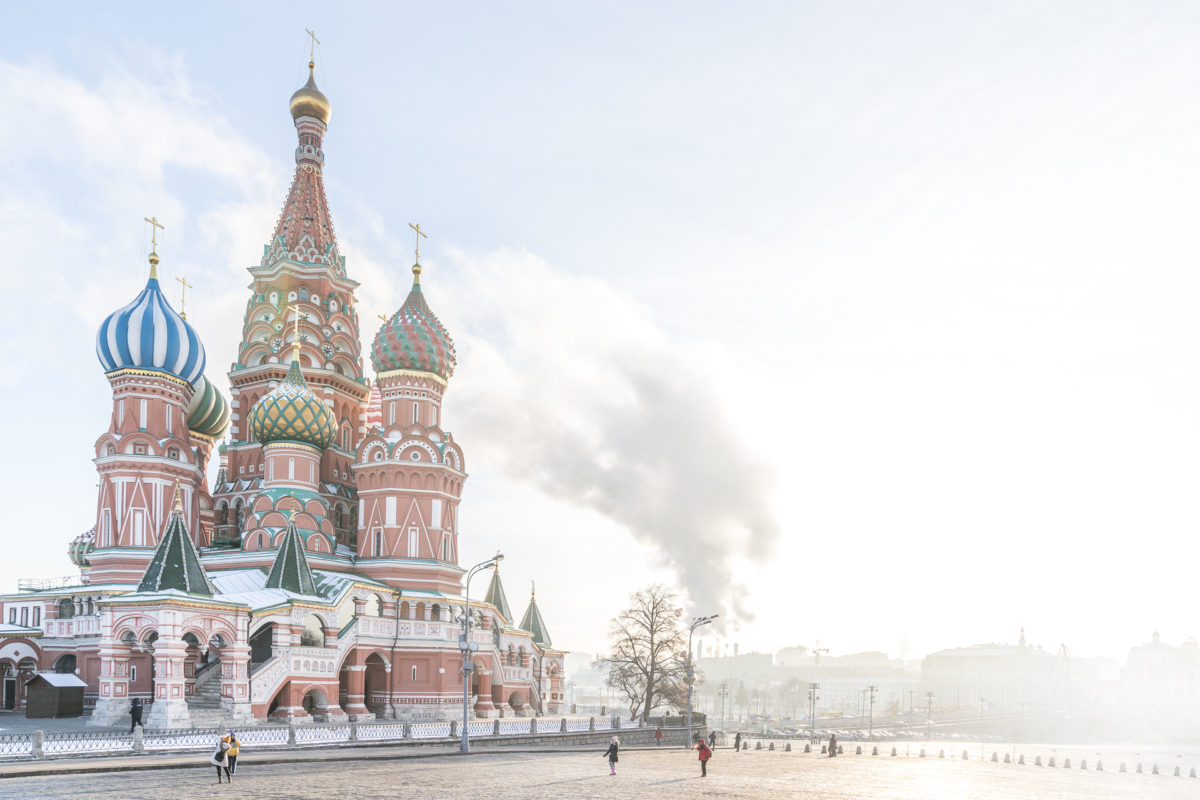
(417, 265)
(312, 48)
(296, 329)
(382, 318)
(155, 226)
(295, 503)
(532, 591)
(178, 500)
(183, 287)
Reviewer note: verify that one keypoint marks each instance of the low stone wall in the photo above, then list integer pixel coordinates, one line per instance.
(630, 737)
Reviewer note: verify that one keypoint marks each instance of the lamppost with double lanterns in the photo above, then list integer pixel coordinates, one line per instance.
(468, 647)
(813, 697)
(696, 623)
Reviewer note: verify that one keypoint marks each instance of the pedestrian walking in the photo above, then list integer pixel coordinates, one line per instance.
(712, 740)
(737, 741)
(705, 753)
(614, 745)
(220, 759)
(833, 745)
(232, 753)
(657, 737)
(135, 713)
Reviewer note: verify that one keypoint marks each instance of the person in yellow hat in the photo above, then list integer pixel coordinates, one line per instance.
(232, 753)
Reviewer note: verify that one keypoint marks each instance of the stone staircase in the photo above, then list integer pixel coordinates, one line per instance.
(204, 707)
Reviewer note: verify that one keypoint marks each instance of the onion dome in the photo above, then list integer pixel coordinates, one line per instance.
(308, 101)
(148, 334)
(292, 413)
(79, 548)
(414, 338)
(208, 413)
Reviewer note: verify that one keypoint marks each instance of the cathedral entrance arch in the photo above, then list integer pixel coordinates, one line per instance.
(376, 684)
(262, 644)
(315, 703)
(65, 665)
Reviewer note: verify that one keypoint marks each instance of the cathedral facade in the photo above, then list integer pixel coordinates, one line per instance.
(319, 576)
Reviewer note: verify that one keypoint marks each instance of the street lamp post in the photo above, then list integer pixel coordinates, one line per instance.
(871, 719)
(696, 623)
(467, 646)
(723, 694)
(929, 697)
(812, 710)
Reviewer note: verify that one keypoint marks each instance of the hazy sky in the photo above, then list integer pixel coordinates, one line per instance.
(873, 324)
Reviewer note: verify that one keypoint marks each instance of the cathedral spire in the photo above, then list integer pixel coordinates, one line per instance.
(175, 564)
(533, 622)
(290, 571)
(495, 595)
(304, 233)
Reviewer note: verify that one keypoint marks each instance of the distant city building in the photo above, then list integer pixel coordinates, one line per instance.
(1006, 676)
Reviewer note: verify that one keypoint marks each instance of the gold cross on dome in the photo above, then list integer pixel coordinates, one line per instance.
(312, 49)
(420, 233)
(382, 318)
(183, 287)
(296, 327)
(155, 227)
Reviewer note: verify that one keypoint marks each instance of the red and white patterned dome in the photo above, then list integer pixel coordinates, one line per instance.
(414, 339)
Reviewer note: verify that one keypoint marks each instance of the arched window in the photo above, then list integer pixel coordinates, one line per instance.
(313, 634)
(66, 608)
(416, 413)
(374, 607)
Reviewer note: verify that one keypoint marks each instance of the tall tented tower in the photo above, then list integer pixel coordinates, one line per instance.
(301, 273)
(410, 472)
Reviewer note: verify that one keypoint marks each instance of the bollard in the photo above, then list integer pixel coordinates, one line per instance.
(1037, 762)
(941, 753)
(807, 747)
(1007, 758)
(354, 731)
(533, 725)
(745, 745)
(841, 749)
(787, 748)
(453, 729)
(292, 733)
(995, 757)
(858, 750)
(758, 745)
(1051, 761)
(922, 752)
(1066, 763)
(1154, 769)
(617, 724)
(875, 751)
(407, 730)
(39, 741)
(1176, 771)
(562, 728)
(1021, 760)
(772, 747)
(496, 726)
(591, 725)
(138, 745)
(894, 754)
(964, 755)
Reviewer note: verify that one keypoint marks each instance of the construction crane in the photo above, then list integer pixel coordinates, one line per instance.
(817, 653)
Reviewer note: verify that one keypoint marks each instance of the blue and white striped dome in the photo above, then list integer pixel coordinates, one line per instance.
(148, 334)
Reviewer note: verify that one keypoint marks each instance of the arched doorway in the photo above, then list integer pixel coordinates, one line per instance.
(375, 683)
(262, 644)
(65, 665)
(315, 703)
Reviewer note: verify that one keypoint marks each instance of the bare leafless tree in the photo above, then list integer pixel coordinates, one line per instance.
(649, 652)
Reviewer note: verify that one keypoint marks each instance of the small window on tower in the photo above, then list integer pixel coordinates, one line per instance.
(12, 616)
(112, 451)
(378, 548)
(414, 672)
(133, 673)
(173, 453)
(139, 449)
(416, 413)
(37, 616)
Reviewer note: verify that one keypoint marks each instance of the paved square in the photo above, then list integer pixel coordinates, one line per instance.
(641, 774)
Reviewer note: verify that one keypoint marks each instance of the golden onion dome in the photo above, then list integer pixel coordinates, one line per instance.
(308, 101)
(292, 413)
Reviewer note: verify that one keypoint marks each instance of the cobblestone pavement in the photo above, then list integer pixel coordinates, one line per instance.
(641, 774)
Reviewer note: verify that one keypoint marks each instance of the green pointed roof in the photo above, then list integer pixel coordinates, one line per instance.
(175, 564)
(290, 570)
(533, 622)
(495, 596)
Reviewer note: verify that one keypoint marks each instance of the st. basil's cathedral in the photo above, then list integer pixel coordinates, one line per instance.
(319, 577)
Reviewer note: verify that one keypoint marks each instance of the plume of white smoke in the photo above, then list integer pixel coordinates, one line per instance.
(566, 384)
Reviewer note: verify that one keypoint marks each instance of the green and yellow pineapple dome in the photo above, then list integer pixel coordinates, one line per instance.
(292, 413)
(208, 414)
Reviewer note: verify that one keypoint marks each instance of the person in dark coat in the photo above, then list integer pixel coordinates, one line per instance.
(705, 753)
(737, 741)
(833, 745)
(613, 746)
(712, 740)
(135, 713)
